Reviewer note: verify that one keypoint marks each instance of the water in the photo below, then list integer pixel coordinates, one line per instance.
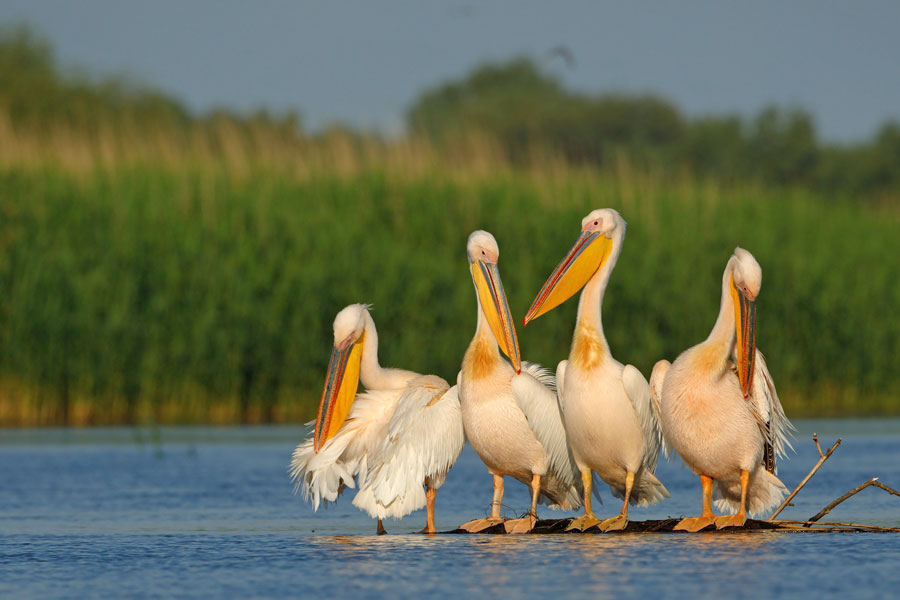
(209, 512)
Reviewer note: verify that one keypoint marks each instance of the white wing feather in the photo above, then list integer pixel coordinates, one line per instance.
(638, 391)
(560, 387)
(767, 409)
(535, 392)
(424, 438)
(560, 381)
(322, 477)
(657, 379)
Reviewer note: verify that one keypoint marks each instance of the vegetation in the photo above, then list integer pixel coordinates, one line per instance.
(190, 272)
(529, 113)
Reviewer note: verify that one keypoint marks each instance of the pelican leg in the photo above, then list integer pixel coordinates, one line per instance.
(476, 525)
(740, 518)
(430, 493)
(381, 530)
(497, 500)
(619, 522)
(526, 524)
(707, 517)
(587, 520)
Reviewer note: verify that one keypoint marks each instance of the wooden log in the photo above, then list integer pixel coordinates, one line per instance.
(558, 526)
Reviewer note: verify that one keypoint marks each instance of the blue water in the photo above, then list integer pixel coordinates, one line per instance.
(209, 512)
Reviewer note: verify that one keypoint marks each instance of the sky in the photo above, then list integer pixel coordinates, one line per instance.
(363, 62)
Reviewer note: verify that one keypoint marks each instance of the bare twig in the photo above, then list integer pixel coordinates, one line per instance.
(873, 482)
(818, 447)
(834, 503)
(830, 524)
(889, 490)
(822, 459)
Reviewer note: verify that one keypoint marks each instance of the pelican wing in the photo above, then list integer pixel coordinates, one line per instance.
(561, 378)
(657, 379)
(321, 477)
(424, 437)
(535, 392)
(766, 407)
(560, 398)
(647, 411)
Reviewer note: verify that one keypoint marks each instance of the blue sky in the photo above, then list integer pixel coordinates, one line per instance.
(363, 62)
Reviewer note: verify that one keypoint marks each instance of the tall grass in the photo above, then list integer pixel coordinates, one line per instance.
(196, 291)
(162, 266)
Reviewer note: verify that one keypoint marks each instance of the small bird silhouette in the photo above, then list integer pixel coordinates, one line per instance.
(563, 52)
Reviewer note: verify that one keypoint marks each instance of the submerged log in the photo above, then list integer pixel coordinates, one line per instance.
(668, 526)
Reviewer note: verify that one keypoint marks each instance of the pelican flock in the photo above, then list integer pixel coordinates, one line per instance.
(715, 406)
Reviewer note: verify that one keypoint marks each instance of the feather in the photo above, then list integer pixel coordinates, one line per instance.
(535, 393)
(766, 407)
(423, 439)
(321, 477)
(638, 391)
(657, 379)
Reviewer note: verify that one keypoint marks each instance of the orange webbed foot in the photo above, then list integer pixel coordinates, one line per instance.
(478, 525)
(737, 520)
(583, 523)
(694, 524)
(523, 525)
(617, 523)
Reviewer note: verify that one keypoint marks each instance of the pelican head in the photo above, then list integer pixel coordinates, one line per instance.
(484, 253)
(746, 281)
(342, 377)
(591, 251)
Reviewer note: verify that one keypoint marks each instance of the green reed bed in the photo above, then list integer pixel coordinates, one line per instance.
(182, 295)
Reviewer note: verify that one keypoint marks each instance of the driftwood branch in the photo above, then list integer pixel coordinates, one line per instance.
(818, 447)
(834, 503)
(873, 482)
(831, 525)
(822, 458)
(889, 490)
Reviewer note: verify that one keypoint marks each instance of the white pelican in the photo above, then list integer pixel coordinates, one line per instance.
(404, 432)
(510, 413)
(724, 418)
(611, 423)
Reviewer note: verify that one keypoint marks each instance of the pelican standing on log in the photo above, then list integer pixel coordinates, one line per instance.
(611, 423)
(510, 412)
(399, 438)
(724, 418)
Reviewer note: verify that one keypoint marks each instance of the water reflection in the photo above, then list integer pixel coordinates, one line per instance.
(499, 561)
(369, 543)
(602, 564)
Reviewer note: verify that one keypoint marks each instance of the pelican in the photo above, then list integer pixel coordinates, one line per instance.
(612, 425)
(509, 411)
(724, 418)
(399, 436)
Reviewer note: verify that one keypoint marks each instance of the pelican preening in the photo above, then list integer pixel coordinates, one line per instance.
(397, 440)
(724, 418)
(510, 410)
(611, 423)
(401, 435)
